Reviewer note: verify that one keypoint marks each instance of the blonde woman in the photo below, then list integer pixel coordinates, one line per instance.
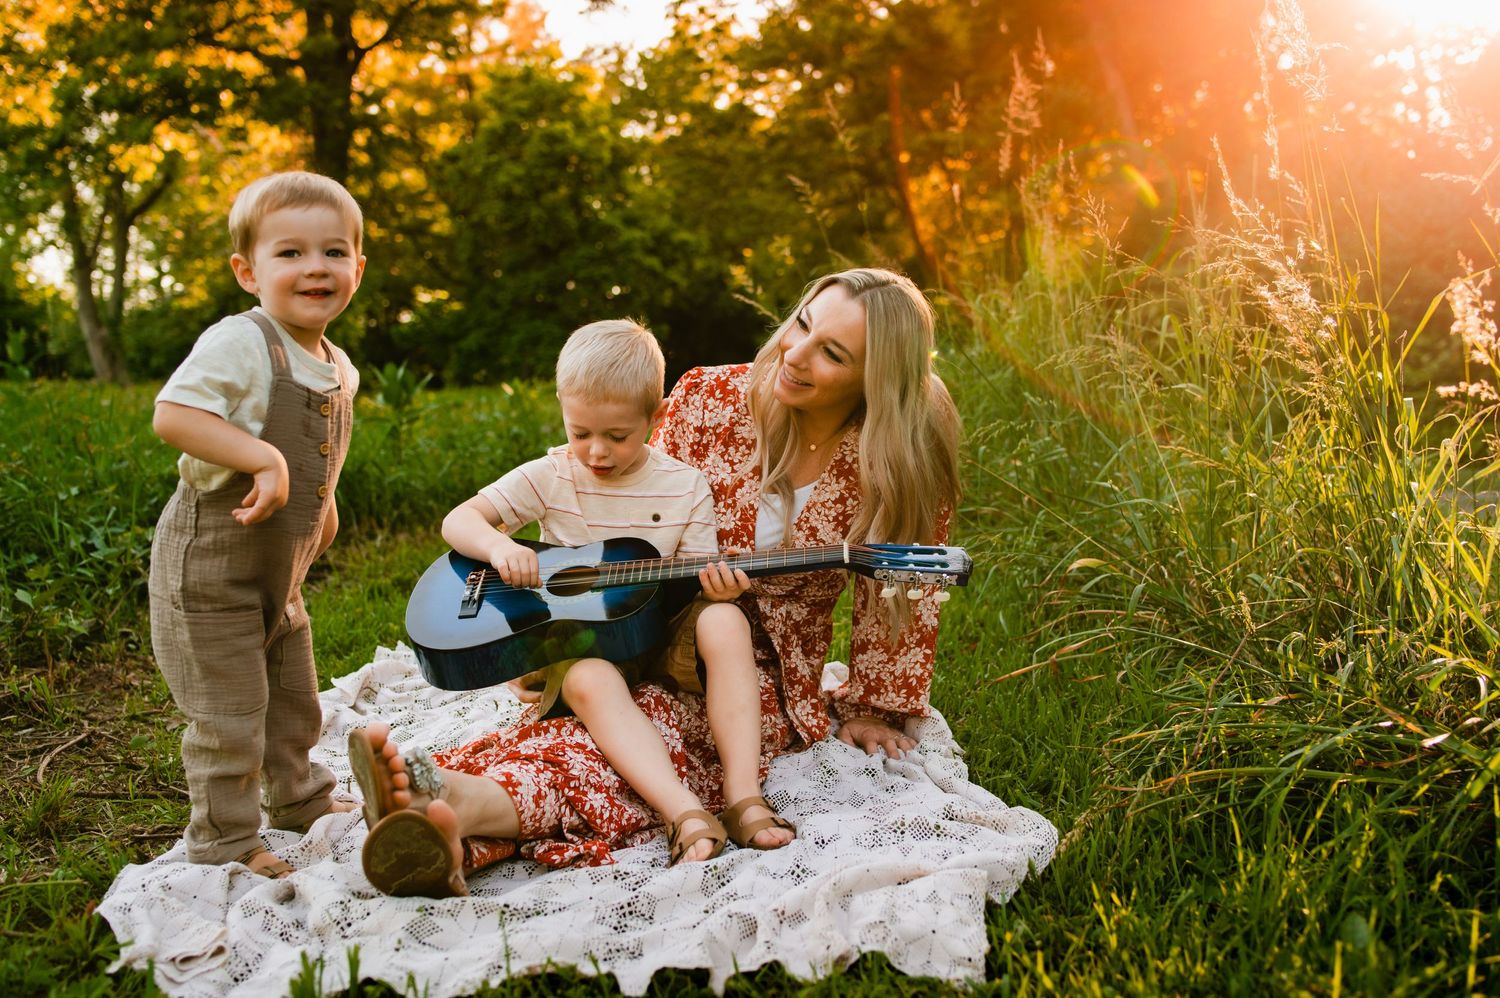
(838, 430)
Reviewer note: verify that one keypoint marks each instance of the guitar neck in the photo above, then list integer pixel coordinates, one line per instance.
(777, 561)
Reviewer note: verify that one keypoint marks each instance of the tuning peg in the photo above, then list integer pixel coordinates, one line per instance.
(887, 592)
(914, 593)
(942, 595)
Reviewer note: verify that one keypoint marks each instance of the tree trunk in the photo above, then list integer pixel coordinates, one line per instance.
(931, 265)
(104, 352)
(330, 57)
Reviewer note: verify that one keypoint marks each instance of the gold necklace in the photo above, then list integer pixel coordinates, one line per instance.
(836, 433)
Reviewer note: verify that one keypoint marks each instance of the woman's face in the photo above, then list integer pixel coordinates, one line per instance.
(823, 355)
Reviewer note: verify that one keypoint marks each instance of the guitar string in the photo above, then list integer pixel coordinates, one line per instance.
(609, 571)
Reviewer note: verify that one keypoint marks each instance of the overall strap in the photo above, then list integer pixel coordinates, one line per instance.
(280, 365)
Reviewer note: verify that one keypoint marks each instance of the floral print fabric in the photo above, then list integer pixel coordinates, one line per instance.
(573, 807)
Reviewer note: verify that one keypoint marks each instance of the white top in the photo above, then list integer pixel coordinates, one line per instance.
(664, 501)
(228, 373)
(769, 532)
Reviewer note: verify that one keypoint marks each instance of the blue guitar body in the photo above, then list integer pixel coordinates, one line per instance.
(516, 631)
(611, 600)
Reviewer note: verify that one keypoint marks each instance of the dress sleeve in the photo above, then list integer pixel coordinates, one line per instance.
(680, 425)
(520, 495)
(891, 682)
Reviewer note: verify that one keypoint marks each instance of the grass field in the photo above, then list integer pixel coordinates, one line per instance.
(1231, 630)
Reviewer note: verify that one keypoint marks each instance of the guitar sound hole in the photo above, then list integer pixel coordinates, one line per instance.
(572, 581)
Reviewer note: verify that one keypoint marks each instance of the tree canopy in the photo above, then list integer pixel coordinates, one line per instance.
(512, 194)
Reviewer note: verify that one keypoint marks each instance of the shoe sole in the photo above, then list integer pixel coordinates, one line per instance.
(406, 856)
(362, 762)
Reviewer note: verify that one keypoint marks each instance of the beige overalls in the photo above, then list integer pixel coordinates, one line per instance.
(231, 634)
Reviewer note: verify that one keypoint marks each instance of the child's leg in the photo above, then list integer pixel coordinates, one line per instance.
(732, 693)
(214, 667)
(297, 789)
(601, 698)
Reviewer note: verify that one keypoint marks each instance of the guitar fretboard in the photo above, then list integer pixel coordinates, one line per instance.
(647, 570)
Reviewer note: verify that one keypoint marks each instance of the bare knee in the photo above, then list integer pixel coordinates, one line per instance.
(590, 682)
(722, 626)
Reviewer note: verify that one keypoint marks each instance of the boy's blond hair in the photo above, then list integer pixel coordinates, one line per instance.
(614, 360)
(293, 189)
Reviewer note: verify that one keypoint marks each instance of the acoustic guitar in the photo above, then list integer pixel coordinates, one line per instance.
(613, 600)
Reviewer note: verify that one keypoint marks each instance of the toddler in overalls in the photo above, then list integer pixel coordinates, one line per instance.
(261, 410)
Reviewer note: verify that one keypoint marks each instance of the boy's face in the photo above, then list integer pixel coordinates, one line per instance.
(608, 438)
(303, 268)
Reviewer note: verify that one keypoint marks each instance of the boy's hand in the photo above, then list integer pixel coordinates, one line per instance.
(516, 564)
(721, 584)
(269, 492)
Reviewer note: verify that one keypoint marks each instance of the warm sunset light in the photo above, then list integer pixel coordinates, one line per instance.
(1440, 14)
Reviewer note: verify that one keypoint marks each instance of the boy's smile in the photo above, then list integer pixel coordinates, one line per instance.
(303, 267)
(608, 438)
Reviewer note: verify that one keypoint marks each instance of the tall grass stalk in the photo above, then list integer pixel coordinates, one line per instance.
(1230, 504)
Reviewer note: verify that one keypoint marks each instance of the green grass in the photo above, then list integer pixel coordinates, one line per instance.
(1229, 629)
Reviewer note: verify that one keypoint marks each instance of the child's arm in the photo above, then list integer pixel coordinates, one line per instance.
(330, 526)
(470, 530)
(210, 438)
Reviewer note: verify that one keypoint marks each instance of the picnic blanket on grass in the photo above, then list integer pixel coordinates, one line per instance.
(894, 856)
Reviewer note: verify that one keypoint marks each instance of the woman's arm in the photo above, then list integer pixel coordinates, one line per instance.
(888, 682)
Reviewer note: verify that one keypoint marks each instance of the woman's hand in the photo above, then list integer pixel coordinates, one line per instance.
(870, 734)
(721, 584)
(528, 688)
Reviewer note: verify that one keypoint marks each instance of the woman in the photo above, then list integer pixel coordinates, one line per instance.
(838, 430)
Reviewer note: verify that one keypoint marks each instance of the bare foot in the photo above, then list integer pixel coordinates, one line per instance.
(381, 773)
(700, 850)
(770, 837)
(414, 847)
(751, 811)
(266, 863)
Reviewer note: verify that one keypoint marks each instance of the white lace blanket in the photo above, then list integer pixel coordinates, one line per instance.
(892, 856)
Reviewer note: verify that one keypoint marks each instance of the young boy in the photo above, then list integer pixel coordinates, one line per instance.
(261, 410)
(608, 482)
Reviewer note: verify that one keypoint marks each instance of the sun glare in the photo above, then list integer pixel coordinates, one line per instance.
(1435, 15)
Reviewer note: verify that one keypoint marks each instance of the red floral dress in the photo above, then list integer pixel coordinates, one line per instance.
(574, 808)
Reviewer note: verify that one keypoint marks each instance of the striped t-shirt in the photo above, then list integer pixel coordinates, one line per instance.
(664, 501)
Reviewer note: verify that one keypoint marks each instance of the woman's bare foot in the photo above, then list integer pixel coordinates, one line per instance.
(414, 847)
(381, 773)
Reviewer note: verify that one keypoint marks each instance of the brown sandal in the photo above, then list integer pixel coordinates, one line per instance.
(742, 833)
(678, 843)
(406, 856)
(373, 777)
(278, 870)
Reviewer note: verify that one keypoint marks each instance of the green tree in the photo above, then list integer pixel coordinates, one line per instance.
(97, 107)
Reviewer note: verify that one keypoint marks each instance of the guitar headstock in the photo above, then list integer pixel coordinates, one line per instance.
(913, 566)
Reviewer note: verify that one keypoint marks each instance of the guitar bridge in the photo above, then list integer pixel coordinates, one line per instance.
(468, 606)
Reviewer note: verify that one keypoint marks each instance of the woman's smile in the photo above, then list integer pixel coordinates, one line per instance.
(787, 377)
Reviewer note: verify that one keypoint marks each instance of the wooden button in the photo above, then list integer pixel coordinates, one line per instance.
(322, 491)
(325, 409)
(323, 447)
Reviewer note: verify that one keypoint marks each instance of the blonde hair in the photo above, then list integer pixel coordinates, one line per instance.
(614, 360)
(293, 189)
(908, 437)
